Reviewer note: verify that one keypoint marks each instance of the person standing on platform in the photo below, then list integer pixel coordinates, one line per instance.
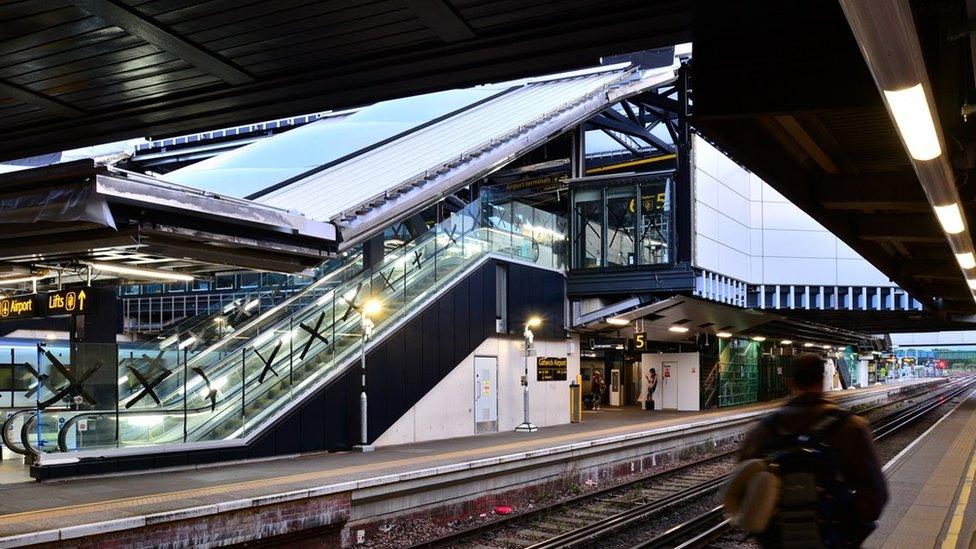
(596, 389)
(651, 378)
(809, 470)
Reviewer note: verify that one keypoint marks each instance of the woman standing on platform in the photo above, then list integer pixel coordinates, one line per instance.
(596, 389)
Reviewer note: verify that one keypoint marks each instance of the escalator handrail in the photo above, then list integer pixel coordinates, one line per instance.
(6, 426)
(230, 395)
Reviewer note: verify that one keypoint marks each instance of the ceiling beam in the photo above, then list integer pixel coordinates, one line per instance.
(442, 19)
(32, 97)
(807, 143)
(889, 191)
(136, 24)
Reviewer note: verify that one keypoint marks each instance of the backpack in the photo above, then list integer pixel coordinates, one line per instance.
(795, 496)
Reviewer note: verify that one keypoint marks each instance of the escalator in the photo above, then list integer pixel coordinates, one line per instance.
(235, 389)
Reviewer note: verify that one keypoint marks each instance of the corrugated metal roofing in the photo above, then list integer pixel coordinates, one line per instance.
(367, 180)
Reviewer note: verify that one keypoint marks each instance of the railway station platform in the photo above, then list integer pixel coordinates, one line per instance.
(331, 494)
(931, 485)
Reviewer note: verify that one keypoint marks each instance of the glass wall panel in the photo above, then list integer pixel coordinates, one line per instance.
(621, 226)
(655, 223)
(588, 228)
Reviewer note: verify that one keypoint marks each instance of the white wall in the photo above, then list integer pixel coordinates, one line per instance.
(746, 230)
(934, 339)
(684, 382)
(447, 411)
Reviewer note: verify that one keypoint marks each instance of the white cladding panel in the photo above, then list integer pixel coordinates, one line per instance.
(746, 230)
(448, 410)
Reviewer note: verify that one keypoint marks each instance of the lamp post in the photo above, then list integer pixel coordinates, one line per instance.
(370, 307)
(527, 426)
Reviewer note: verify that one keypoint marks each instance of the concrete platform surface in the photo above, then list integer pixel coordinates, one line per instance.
(33, 512)
(931, 484)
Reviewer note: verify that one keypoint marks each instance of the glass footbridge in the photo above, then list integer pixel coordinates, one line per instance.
(226, 387)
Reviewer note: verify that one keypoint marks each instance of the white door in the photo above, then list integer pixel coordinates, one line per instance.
(669, 385)
(688, 398)
(485, 394)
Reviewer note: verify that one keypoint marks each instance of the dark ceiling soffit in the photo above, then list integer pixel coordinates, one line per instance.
(134, 23)
(514, 55)
(441, 18)
(39, 99)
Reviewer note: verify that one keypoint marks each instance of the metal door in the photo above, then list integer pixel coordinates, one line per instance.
(485, 394)
(669, 385)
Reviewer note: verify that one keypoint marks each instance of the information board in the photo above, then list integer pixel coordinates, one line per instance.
(550, 368)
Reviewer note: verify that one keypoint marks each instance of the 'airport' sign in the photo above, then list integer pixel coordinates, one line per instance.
(73, 301)
(18, 307)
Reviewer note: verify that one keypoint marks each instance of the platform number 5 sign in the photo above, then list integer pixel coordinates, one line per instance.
(640, 341)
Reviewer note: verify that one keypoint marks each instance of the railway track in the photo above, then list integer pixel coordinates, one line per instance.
(595, 518)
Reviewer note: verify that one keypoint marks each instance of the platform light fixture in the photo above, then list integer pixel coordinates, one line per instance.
(372, 307)
(527, 426)
(972, 283)
(678, 329)
(966, 260)
(950, 217)
(786, 342)
(758, 338)
(826, 347)
(808, 345)
(723, 335)
(141, 272)
(914, 121)
(617, 321)
(22, 279)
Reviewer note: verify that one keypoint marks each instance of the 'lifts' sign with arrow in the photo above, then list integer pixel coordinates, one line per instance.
(74, 301)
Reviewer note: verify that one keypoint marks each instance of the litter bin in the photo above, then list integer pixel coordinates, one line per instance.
(575, 402)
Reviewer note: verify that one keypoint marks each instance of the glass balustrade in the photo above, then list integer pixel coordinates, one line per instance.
(191, 392)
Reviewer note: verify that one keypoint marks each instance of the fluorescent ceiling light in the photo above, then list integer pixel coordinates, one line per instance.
(912, 115)
(142, 273)
(787, 342)
(971, 282)
(678, 329)
(22, 279)
(966, 260)
(723, 335)
(808, 344)
(826, 347)
(758, 338)
(950, 216)
(617, 321)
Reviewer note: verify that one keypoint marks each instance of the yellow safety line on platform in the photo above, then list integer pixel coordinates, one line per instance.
(922, 523)
(955, 527)
(279, 482)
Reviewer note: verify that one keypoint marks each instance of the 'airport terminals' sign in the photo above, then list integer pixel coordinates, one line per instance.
(18, 307)
(550, 368)
(74, 301)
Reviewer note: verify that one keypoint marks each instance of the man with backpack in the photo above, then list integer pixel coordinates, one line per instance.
(810, 474)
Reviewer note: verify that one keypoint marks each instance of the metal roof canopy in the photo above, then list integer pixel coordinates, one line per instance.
(708, 317)
(79, 211)
(409, 171)
(77, 72)
(807, 118)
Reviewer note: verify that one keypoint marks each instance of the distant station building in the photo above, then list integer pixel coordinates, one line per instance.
(454, 250)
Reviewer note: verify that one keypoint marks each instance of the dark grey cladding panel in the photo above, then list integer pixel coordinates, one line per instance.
(629, 281)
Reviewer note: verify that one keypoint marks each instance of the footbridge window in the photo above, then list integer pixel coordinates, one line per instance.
(623, 222)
